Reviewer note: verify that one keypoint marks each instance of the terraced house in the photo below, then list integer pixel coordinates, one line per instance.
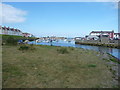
(10, 31)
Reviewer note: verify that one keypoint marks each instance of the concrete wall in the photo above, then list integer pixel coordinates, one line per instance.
(116, 43)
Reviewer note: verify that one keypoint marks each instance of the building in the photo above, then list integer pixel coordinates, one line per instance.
(91, 37)
(27, 35)
(99, 33)
(79, 38)
(10, 31)
(104, 38)
(116, 35)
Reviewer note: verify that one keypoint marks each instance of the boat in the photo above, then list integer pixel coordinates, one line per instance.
(69, 41)
(37, 41)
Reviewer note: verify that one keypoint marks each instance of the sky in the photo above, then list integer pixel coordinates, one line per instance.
(67, 19)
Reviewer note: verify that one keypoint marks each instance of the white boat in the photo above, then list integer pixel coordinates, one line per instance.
(69, 41)
(65, 39)
(47, 41)
(37, 41)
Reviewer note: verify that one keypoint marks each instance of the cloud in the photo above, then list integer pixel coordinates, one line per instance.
(11, 14)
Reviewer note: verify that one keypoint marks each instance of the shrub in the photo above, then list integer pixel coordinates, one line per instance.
(31, 47)
(11, 41)
(71, 48)
(26, 47)
(92, 65)
(62, 50)
(114, 60)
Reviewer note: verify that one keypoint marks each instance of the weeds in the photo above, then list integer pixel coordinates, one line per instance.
(114, 60)
(11, 41)
(62, 50)
(92, 65)
(71, 48)
(26, 47)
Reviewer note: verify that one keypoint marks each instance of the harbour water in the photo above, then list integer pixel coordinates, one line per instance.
(113, 51)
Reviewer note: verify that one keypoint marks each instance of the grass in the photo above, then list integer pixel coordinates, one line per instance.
(25, 47)
(45, 67)
(62, 50)
(92, 65)
(114, 60)
(4, 37)
(12, 39)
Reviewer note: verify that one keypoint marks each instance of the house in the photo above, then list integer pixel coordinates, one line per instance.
(10, 31)
(116, 35)
(92, 37)
(104, 38)
(80, 38)
(27, 35)
(99, 33)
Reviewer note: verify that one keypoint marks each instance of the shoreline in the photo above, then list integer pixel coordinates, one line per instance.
(100, 44)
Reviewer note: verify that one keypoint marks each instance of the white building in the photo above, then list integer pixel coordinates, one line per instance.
(116, 35)
(10, 31)
(92, 37)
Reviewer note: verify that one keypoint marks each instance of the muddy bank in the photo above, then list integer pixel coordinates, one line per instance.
(113, 64)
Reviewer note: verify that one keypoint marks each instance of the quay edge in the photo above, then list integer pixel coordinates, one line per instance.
(111, 45)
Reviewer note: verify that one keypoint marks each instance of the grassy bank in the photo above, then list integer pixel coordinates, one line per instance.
(54, 67)
(4, 37)
(16, 38)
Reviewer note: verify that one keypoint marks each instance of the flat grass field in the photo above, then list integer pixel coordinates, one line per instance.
(50, 67)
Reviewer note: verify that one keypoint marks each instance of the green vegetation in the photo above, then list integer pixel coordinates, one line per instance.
(12, 39)
(91, 65)
(25, 47)
(53, 67)
(16, 37)
(115, 60)
(62, 50)
(71, 48)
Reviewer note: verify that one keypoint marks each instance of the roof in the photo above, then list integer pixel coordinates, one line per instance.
(26, 33)
(8, 28)
(117, 33)
(102, 31)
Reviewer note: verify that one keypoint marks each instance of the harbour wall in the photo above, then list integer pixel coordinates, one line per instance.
(110, 43)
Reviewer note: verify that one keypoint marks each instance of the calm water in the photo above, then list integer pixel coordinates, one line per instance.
(113, 51)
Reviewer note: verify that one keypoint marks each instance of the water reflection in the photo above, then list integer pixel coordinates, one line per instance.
(114, 51)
